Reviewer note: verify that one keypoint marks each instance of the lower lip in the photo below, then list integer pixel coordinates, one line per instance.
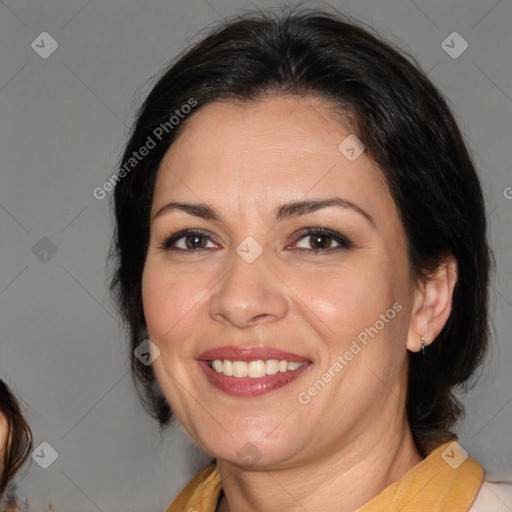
(248, 386)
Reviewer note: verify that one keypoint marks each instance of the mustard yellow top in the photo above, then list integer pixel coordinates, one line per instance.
(446, 480)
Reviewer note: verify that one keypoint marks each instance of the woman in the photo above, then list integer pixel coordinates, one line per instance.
(301, 235)
(15, 437)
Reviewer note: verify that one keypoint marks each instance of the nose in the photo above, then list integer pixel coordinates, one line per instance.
(249, 294)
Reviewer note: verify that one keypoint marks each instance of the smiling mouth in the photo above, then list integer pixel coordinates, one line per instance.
(251, 370)
(249, 379)
(254, 369)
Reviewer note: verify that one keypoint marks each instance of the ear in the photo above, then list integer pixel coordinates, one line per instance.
(432, 304)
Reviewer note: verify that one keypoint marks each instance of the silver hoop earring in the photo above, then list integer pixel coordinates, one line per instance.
(423, 346)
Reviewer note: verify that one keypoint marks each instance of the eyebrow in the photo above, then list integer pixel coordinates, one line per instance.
(282, 212)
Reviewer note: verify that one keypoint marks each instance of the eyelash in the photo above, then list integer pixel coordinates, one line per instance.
(343, 241)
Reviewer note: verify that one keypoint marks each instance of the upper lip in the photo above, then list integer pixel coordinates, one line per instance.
(255, 353)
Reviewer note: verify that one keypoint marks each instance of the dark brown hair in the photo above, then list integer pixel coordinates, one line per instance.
(19, 437)
(409, 132)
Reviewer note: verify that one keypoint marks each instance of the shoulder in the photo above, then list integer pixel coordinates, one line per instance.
(493, 497)
(200, 494)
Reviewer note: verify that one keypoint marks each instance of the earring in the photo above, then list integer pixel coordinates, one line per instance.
(423, 346)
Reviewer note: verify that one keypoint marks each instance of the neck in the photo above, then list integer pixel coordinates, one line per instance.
(343, 481)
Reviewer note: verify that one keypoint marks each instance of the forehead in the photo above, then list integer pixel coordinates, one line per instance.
(273, 149)
(282, 126)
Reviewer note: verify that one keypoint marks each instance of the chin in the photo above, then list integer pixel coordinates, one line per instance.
(252, 450)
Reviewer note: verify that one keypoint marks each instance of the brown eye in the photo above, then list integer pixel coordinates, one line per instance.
(195, 241)
(322, 240)
(188, 240)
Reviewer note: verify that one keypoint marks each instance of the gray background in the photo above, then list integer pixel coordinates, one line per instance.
(63, 123)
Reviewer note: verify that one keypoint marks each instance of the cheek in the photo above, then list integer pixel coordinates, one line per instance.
(171, 299)
(159, 291)
(349, 298)
(359, 313)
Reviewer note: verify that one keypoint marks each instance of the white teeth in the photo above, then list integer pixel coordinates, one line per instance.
(228, 368)
(239, 368)
(272, 366)
(254, 369)
(257, 369)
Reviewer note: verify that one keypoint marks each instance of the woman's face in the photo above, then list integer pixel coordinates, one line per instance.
(253, 282)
